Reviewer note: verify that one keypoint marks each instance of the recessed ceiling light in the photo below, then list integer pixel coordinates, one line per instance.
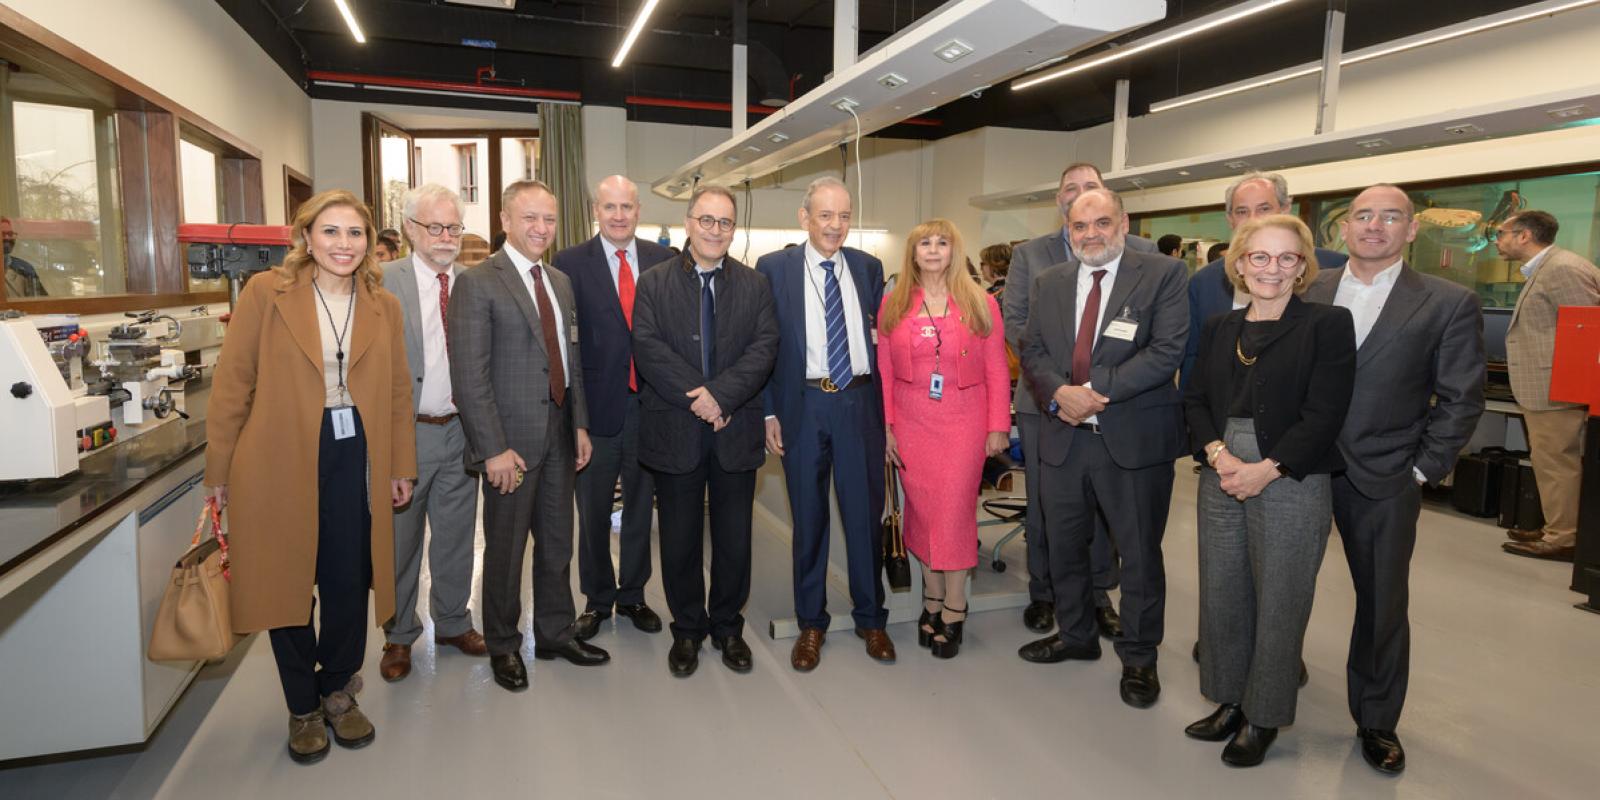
(953, 50)
(777, 138)
(1570, 112)
(1372, 144)
(892, 80)
(1183, 172)
(1464, 129)
(1237, 165)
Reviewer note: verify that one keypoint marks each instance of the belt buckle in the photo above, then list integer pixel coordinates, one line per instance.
(828, 385)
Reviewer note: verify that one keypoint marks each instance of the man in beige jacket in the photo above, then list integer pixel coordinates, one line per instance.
(1555, 278)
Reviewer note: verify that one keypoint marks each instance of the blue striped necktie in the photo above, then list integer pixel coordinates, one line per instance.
(839, 369)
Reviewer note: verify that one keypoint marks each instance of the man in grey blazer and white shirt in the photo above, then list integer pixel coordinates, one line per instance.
(1028, 260)
(1418, 395)
(445, 498)
(518, 377)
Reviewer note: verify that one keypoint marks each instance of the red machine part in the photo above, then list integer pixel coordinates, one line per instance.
(238, 233)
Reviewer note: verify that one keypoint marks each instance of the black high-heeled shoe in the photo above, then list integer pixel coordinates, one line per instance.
(950, 645)
(928, 625)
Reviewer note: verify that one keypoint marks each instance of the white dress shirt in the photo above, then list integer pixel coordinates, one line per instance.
(1086, 285)
(616, 264)
(1532, 264)
(434, 398)
(525, 270)
(1365, 300)
(816, 316)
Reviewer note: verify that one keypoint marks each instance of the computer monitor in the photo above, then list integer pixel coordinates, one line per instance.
(1495, 323)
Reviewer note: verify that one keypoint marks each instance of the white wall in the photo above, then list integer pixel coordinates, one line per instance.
(194, 53)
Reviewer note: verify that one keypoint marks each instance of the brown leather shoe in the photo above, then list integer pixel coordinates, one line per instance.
(878, 645)
(470, 642)
(1545, 549)
(807, 650)
(396, 662)
(1518, 535)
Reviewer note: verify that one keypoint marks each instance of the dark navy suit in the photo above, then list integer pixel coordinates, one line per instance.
(1211, 293)
(839, 433)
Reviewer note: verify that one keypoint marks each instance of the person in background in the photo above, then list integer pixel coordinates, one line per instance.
(309, 445)
(941, 349)
(445, 501)
(994, 262)
(22, 280)
(1216, 252)
(1170, 245)
(1555, 277)
(1268, 396)
(387, 248)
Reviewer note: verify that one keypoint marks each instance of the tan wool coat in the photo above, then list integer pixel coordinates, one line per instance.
(263, 429)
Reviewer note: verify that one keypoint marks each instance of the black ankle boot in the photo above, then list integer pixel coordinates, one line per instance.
(1249, 746)
(1220, 726)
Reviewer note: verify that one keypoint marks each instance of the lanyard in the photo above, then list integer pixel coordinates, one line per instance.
(339, 333)
(938, 338)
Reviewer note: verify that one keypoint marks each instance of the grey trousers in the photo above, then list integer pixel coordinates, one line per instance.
(615, 456)
(1103, 562)
(1258, 574)
(445, 500)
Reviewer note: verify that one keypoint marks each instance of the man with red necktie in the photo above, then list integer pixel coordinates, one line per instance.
(604, 271)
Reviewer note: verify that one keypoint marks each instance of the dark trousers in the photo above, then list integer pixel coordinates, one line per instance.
(837, 434)
(1104, 571)
(1379, 535)
(615, 456)
(344, 576)
(683, 501)
(1134, 502)
(540, 507)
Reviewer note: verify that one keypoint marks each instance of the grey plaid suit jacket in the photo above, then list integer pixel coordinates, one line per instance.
(1563, 279)
(499, 370)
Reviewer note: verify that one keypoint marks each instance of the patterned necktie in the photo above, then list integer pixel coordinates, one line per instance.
(708, 324)
(552, 339)
(1083, 347)
(625, 294)
(838, 352)
(444, 305)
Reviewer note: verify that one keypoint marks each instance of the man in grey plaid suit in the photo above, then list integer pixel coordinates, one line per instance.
(517, 374)
(1555, 277)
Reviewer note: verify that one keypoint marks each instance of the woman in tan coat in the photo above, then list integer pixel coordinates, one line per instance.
(310, 443)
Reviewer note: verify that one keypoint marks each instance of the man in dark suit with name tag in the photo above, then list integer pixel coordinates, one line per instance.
(518, 377)
(825, 415)
(1101, 349)
(605, 274)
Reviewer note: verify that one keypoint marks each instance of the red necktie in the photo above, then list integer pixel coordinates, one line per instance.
(625, 294)
(444, 305)
(552, 340)
(1083, 347)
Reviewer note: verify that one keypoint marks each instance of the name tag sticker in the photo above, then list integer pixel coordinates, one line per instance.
(344, 423)
(573, 335)
(1123, 329)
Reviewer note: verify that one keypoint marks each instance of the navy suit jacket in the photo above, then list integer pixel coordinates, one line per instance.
(603, 334)
(1211, 293)
(785, 270)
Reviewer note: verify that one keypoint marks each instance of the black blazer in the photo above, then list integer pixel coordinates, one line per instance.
(1303, 377)
(603, 333)
(666, 347)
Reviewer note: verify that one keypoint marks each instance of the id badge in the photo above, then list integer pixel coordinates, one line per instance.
(936, 386)
(1124, 327)
(572, 335)
(344, 422)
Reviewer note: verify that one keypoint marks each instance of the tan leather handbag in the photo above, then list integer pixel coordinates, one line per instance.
(193, 623)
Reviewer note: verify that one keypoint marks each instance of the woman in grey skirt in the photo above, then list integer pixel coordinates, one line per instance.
(1264, 405)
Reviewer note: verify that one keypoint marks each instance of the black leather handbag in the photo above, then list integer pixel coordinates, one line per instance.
(896, 566)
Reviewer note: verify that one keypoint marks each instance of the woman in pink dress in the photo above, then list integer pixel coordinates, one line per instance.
(947, 406)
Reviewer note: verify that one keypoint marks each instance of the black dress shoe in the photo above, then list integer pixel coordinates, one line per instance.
(1140, 686)
(643, 618)
(584, 655)
(1382, 750)
(1249, 746)
(1051, 650)
(735, 653)
(1222, 724)
(1110, 625)
(684, 656)
(586, 625)
(509, 671)
(1039, 616)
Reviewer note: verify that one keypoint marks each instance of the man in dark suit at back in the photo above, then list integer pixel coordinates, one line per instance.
(517, 377)
(1101, 349)
(704, 339)
(1418, 395)
(1257, 194)
(605, 274)
(825, 415)
(1028, 261)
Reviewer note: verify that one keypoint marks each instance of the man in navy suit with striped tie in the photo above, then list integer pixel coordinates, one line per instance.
(825, 415)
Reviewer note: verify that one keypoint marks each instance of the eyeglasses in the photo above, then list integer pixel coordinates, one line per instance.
(1388, 218)
(1261, 258)
(434, 228)
(709, 222)
(1501, 233)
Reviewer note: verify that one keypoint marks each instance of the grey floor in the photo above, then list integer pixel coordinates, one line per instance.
(1504, 703)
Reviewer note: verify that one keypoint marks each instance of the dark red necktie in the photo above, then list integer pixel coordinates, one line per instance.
(444, 305)
(552, 339)
(625, 294)
(1083, 347)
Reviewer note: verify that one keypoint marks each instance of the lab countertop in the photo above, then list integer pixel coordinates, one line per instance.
(34, 514)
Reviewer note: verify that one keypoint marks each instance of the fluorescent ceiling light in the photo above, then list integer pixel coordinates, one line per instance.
(350, 19)
(1399, 46)
(1174, 34)
(633, 32)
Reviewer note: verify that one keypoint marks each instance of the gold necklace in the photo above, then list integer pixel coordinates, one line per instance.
(1238, 350)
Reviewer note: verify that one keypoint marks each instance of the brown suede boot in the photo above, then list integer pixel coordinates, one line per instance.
(308, 737)
(351, 728)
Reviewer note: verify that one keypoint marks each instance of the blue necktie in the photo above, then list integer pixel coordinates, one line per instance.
(708, 324)
(838, 335)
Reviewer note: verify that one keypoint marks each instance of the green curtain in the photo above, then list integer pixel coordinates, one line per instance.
(561, 166)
